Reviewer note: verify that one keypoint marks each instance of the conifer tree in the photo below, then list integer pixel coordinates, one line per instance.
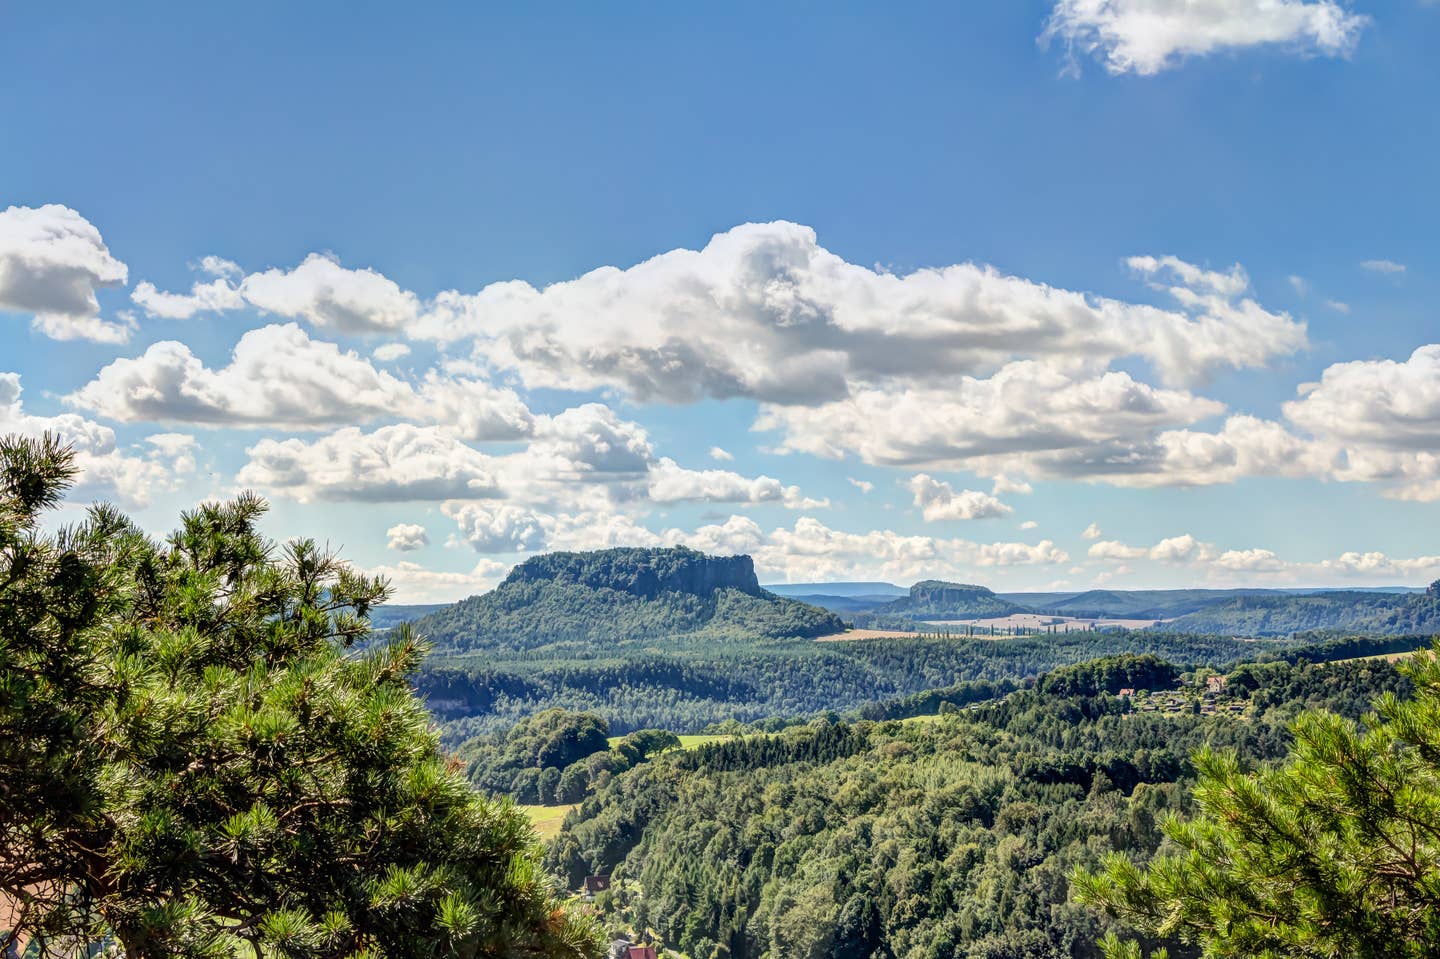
(1334, 854)
(208, 755)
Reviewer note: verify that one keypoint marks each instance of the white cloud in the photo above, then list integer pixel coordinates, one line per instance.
(52, 262)
(1029, 524)
(1383, 266)
(1092, 531)
(388, 352)
(406, 537)
(319, 291)
(1028, 419)
(501, 527)
(218, 266)
(864, 486)
(392, 464)
(672, 483)
(763, 311)
(1299, 284)
(1338, 307)
(1148, 36)
(938, 501)
(1004, 485)
(413, 583)
(217, 296)
(1114, 550)
(279, 377)
(1181, 549)
(811, 551)
(107, 470)
(1245, 566)
(328, 295)
(720, 455)
(1375, 403)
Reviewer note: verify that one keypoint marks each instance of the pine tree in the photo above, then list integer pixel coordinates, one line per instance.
(1334, 853)
(208, 755)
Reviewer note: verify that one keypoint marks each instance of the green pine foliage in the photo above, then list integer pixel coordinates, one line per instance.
(200, 764)
(1332, 853)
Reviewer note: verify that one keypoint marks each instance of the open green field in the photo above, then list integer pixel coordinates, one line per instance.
(686, 742)
(546, 819)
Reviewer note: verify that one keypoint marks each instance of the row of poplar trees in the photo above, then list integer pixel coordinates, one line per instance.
(201, 755)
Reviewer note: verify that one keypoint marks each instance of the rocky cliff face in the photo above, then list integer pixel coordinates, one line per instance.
(643, 572)
(933, 592)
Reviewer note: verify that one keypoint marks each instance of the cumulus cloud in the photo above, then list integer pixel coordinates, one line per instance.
(672, 483)
(1030, 418)
(501, 527)
(864, 486)
(52, 262)
(720, 455)
(1004, 484)
(396, 463)
(1147, 36)
(413, 583)
(1092, 531)
(406, 537)
(279, 377)
(1389, 404)
(330, 296)
(389, 352)
(319, 291)
(218, 266)
(1109, 549)
(1246, 566)
(763, 311)
(133, 475)
(1029, 524)
(217, 296)
(938, 500)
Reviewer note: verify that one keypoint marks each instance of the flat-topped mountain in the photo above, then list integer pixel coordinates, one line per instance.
(615, 597)
(642, 572)
(937, 599)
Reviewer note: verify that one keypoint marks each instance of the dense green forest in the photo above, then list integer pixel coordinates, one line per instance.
(946, 836)
(687, 686)
(1393, 613)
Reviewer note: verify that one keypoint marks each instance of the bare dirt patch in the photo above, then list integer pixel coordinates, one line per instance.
(853, 634)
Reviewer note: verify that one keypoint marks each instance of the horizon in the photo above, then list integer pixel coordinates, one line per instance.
(1042, 295)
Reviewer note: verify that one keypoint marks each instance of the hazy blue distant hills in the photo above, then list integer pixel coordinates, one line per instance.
(1282, 615)
(390, 616)
(610, 598)
(1146, 603)
(1239, 612)
(866, 590)
(843, 604)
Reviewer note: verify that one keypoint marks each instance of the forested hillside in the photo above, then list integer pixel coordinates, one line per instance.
(951, 836)
(1389, 613)
(570, 603)
(687, 687)
(935, 599)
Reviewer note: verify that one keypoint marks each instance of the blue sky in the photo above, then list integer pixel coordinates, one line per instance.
(1145, 304)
